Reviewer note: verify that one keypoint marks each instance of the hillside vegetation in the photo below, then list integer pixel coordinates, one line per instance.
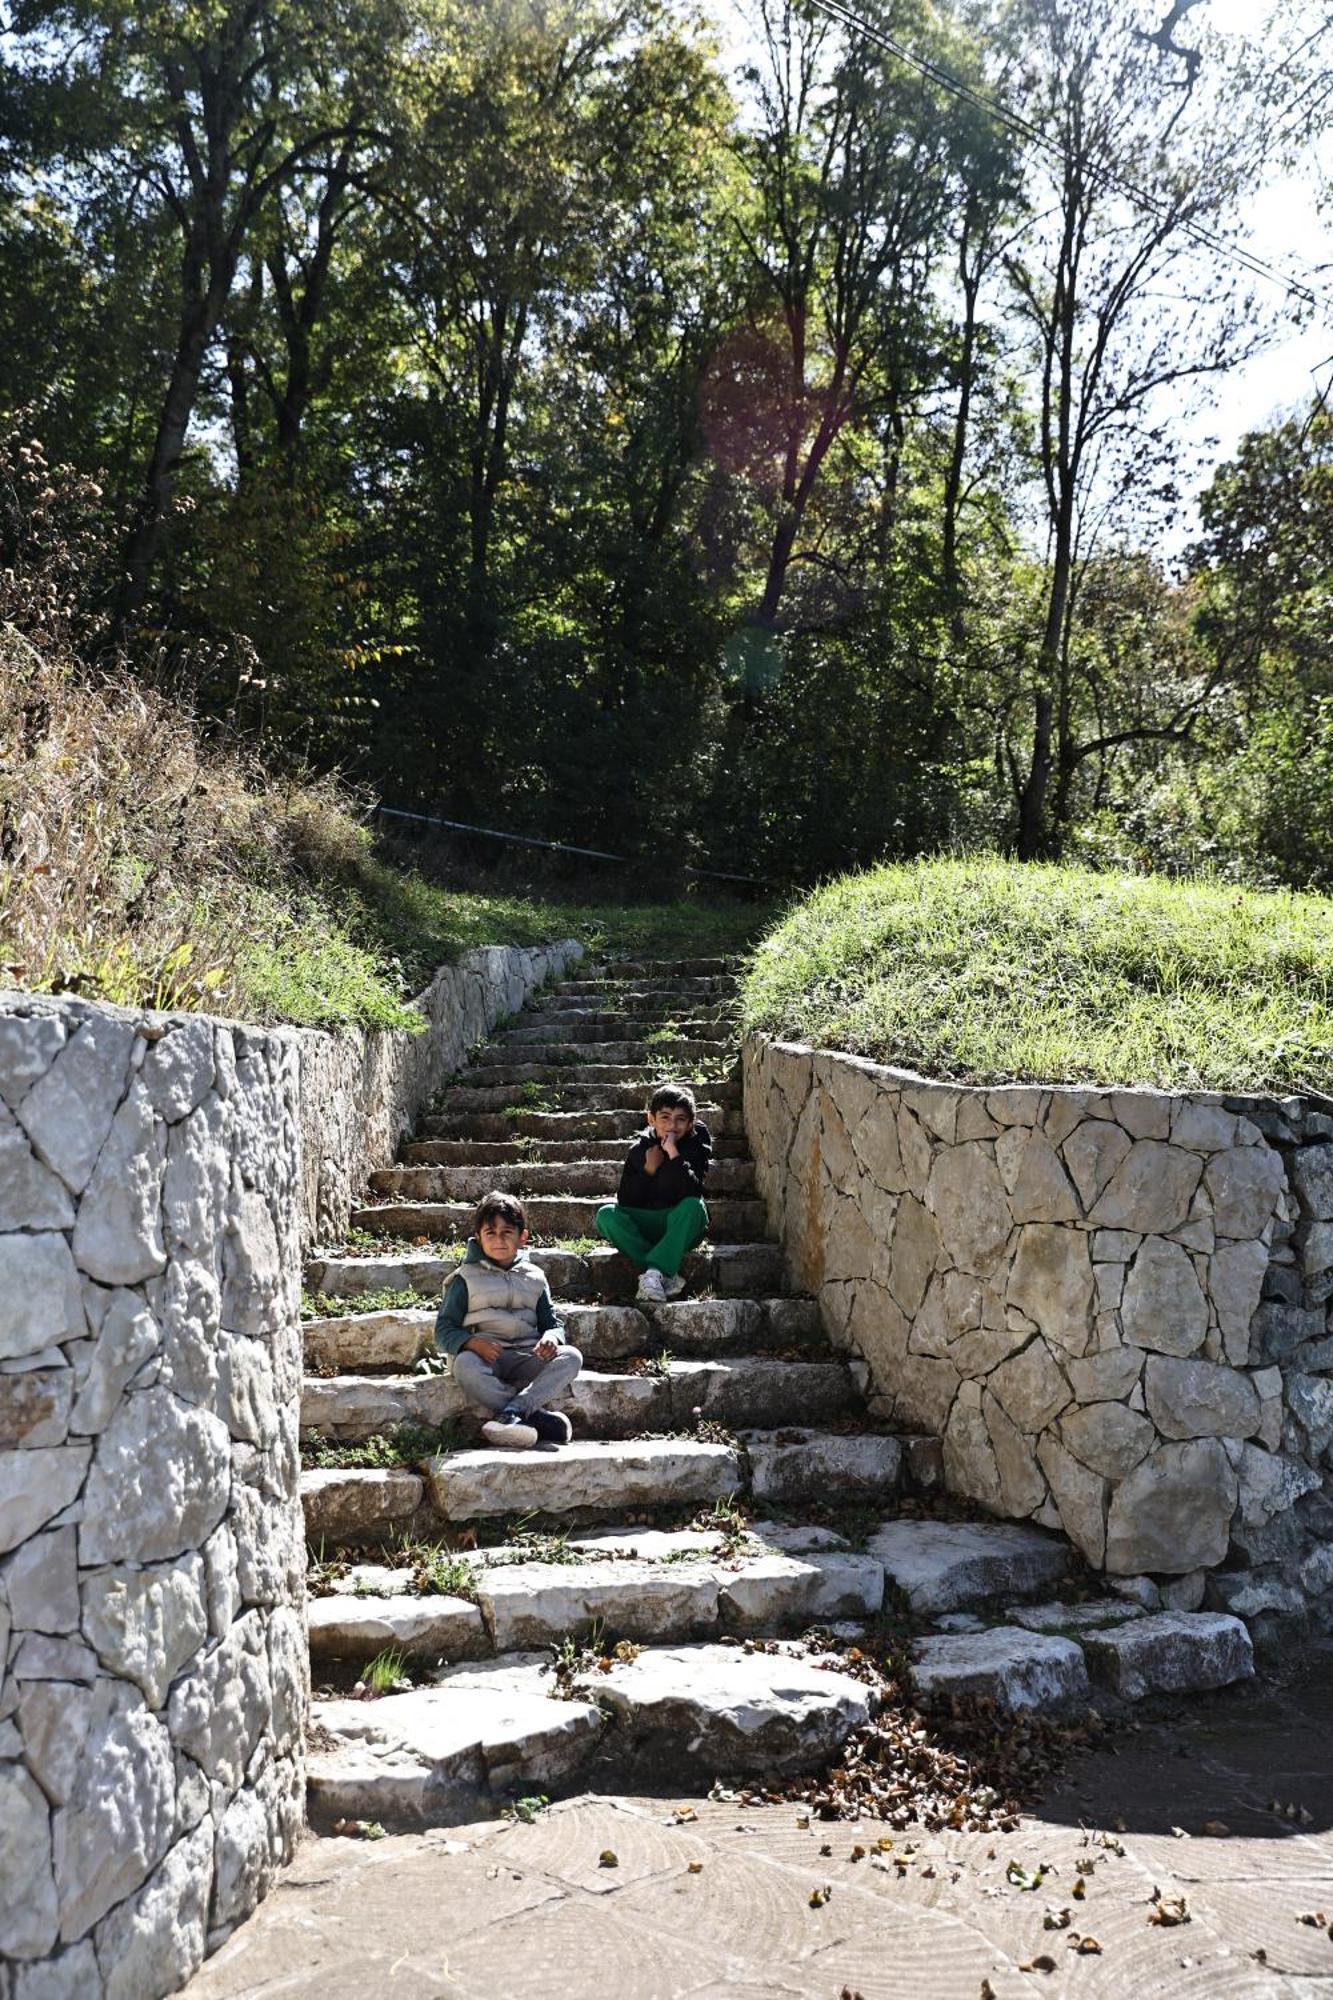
(990, 971)
(144, 864)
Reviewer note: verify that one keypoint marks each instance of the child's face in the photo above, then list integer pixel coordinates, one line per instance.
(673, 1121)
(500, 1239)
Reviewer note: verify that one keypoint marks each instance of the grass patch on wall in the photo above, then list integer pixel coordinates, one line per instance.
(989, 971)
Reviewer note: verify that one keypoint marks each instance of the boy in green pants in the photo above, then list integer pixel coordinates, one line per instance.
(659, 1214)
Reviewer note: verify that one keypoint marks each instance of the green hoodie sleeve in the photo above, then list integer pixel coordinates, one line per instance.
(451, 1335)
(548, 1326)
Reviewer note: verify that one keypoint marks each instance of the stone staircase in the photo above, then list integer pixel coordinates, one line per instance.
(725, 1490)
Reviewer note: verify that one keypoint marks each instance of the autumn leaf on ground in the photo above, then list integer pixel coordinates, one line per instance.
(1043, 1962)
(1087, 1944)
(818, 1897)
(1168, 1909)
(1079, 1890)
(1024, 1878)
(608, 1858)
(695, 1867)
(1055, 1920)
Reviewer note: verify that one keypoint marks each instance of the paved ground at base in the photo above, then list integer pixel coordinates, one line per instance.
(503, 1911)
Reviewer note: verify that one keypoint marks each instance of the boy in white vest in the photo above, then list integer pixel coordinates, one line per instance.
(498, 1325)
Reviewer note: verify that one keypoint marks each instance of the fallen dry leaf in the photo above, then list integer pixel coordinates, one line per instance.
(1216, 1829)
(695, 1867)
(1168, 1909)
(1020, 1877)
(1055, 1920)
(818, 1897)
(1087, 1944)
(608, 1858)
(1043, 1962)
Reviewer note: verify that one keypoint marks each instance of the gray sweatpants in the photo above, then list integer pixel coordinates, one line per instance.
(517, 1376)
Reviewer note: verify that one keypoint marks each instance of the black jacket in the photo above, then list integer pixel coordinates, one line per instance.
(674, 1180)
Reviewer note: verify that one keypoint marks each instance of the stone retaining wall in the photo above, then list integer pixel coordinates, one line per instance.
(158, 1175)
(1112, 1306)
(362, 1092)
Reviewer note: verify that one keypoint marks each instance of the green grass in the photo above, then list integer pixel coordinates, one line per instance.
(405, 1445)
(988, 971)
(331, 1305)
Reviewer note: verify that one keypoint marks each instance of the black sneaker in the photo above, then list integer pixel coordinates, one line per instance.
(550, 1426)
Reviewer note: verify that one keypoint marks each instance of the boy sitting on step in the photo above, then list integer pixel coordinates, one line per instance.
(658, 1214)
(498, 1326)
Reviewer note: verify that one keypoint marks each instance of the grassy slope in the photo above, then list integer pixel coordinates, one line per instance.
(145, 865)
(988, 971)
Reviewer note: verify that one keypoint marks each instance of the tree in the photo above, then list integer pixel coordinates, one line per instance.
(1123, 310)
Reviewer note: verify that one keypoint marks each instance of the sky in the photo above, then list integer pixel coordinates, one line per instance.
(1285, 230)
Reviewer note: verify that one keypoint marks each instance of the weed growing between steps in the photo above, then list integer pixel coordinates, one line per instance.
(404, 1445)
(325, 1305)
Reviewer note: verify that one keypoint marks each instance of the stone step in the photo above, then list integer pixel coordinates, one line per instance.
(591, 1477)
(733, 1271)
(539, 1152)
(568, 1097)
(397, 1338)
(621, 1124)
(660, 971)
(639, 1073)
(582, 1478)
(446, 1753)
(742, 1390)
(947, 1566)
(1052, 1668)
(450, 1752)
(634, 992)
(597, 1177)
(642, 1010)
(591, 1028)
(514, 1606)
(731, 1219)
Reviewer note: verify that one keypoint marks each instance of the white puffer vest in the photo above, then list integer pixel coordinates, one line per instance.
(502, 1304)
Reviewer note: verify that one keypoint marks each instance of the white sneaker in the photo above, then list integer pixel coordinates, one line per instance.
(510, 1431)
(652, 1288)
(673, 1287)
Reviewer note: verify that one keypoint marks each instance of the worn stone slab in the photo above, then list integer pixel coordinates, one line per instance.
(652, 1544)
(657, 1472)
(956, 1565)
(753, 1389)
(717, 1709)
(735, 1219)
(358, 1628)
(350, 1407)
(339, 1506)
(775, 1591)
(436, 1755)
(792, 1464)
(369, 1340)
(1015, 1668)
(617, 1406)
(695, 1325)
(536, 1604)
(1068, 1618)
(1172, 1652)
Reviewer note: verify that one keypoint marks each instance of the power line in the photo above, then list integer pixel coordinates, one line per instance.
(935, 73)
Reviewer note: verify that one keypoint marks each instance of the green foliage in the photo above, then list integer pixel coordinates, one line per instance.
(327, 1305)
(990, 971)
(386, 1673)
(407, 1444)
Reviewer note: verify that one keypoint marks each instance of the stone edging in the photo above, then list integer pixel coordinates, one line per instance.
(1112, 1306)
(159, 1178)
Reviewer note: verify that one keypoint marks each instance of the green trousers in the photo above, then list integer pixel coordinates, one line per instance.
(654, 1238)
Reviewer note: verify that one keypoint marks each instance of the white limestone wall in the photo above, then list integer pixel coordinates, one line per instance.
(363, 1091)
(1111, 1306)
(151, 1558)
(159, 1177)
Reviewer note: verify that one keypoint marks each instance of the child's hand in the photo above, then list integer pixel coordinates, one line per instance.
(485, 1350)
(545, 1350)
(670, 1148)
(652, 1159)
